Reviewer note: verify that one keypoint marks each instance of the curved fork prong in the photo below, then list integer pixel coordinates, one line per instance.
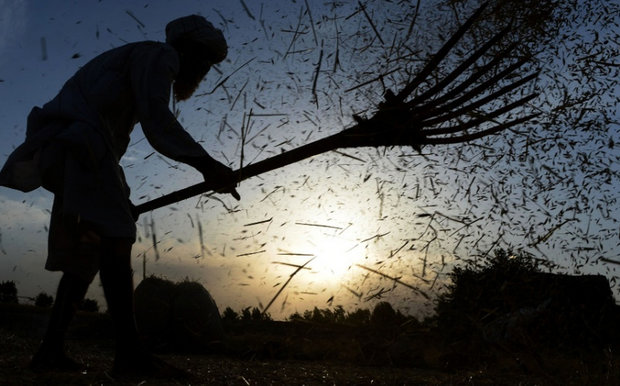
(479, 121)
(459, 70)
(437, 58)
(480, 102)
(479, 134)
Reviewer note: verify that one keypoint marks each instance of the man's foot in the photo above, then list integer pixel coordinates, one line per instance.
(146, 365)
(44, 361)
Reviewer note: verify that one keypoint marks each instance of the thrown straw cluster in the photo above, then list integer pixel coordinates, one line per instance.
(450, 111)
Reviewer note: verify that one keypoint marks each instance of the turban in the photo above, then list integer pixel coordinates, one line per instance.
(198, 29)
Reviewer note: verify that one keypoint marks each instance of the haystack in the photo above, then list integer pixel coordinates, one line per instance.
(177, 316)
(153, 307)
(196, 319)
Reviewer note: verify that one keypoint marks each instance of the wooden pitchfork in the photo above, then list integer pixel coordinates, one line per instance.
(425, 119)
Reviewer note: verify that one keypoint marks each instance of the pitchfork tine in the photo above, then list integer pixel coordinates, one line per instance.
(473, 92)
(460, 69)
(432, 64)
(478, 121)
(480, 134)
(481, 102)
(473, 78)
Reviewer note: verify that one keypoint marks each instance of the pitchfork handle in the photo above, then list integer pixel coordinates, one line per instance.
(283, 159)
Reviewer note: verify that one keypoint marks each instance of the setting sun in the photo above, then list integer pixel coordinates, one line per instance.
(334, 256)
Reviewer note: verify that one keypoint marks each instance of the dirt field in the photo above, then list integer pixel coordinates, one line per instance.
(15, 352)
(282, 354)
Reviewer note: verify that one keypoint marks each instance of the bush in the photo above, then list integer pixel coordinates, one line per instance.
(246, 314)
(337, 315)
(509, 300)
(252, 313)
(230, 315)
(491, 286)
(8, 292)
(383, 315)
(359, 317)
(89, 305)
(43, 300)
(256, 314)
(295, 316)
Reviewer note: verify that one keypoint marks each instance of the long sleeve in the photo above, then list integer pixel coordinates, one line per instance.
(153, 70)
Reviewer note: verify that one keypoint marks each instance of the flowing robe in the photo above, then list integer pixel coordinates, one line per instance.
(75, 141)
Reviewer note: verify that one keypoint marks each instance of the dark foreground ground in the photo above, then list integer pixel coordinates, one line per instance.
(279, 353)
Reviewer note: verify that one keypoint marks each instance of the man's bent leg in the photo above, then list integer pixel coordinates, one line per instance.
(51, 353)
(81, 246)
(117, 280)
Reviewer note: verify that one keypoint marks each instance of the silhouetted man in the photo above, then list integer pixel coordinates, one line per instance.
(73, 147)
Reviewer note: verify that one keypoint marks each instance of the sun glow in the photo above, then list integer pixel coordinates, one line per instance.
(334, 256)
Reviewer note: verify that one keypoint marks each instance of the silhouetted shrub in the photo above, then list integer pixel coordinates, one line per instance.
(246, 314)
(43, 300)
(230, 315)
(257, 314)
(339, 314)
(359, 317)
(508, 300)
(383, 315)
(8, 292)
(89, 305)
(295, 316)
(490, 286)
(325, 315)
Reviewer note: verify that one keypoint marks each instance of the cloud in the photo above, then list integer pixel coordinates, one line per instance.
(27, 214)
(23, 230)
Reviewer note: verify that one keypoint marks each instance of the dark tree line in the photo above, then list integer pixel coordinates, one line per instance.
(383, 314)
(8, 294)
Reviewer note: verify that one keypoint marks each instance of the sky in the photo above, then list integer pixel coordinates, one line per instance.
(349, 215)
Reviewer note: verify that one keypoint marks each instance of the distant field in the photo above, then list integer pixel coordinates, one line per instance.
(267, 352)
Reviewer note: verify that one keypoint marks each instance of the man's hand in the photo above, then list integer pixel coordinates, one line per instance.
(217, 173)
(224, 175)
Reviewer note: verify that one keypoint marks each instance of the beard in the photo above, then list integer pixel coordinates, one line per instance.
(187, 81)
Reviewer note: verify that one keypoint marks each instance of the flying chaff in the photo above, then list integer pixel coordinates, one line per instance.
(438, 115)
(395, 280)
